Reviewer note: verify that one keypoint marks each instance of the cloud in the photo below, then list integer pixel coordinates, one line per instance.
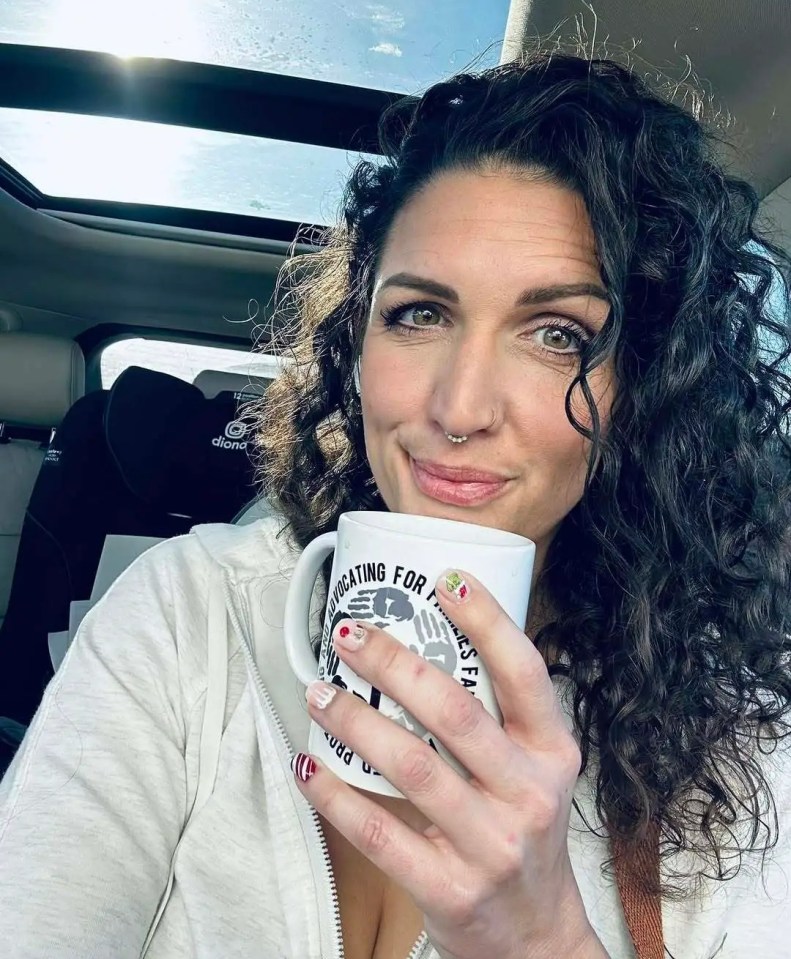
(390, 49)
(383, 17)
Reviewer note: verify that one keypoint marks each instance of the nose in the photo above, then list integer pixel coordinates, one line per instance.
(466, 395)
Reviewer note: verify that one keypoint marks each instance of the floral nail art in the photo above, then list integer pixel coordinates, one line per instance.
(456, 585)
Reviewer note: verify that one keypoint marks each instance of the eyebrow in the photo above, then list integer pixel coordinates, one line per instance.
(541, 294)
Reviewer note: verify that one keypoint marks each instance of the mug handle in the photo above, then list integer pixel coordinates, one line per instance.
(300, 590)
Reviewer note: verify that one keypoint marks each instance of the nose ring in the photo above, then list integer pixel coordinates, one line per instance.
(456, 439)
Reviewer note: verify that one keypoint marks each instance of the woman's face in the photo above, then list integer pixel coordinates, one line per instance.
(487, 285)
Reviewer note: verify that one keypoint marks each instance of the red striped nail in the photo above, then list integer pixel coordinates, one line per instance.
(303, 767)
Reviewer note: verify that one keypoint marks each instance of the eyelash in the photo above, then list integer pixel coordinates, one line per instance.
(392, 315)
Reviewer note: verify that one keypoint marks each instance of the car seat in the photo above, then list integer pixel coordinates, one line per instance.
(40, 378)
(151, 457)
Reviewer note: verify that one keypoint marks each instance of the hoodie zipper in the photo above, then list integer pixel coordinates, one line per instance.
(421, 947)
(336, 945)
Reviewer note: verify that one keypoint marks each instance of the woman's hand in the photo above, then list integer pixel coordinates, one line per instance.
(492, 874)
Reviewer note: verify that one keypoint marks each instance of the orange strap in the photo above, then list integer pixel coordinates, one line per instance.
(643, 912)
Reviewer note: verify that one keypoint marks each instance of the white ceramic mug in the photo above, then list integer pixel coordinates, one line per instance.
(383, 572)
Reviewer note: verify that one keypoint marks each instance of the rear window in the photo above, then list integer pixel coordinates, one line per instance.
(183, 360)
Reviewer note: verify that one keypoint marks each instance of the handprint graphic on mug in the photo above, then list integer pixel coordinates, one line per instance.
(432, 639)
(435, 643)
(384, 606)
(435, 640)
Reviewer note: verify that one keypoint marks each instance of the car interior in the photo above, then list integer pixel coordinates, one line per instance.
(156, 170)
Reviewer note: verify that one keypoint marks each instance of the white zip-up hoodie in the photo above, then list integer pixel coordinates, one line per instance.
(151, 810)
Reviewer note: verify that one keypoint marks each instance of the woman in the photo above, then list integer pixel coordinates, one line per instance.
(544, 312)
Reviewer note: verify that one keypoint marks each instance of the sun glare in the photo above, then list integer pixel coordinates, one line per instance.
(106, 159)
(128, 28)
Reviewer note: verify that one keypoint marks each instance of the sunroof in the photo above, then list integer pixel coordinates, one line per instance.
(400, 46)
(128, 161)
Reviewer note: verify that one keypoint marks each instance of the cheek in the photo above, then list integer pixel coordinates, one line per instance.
(558, 452)
(547, 434)
(393, 386)
(567, 452)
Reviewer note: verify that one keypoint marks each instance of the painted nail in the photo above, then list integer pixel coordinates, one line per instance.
(303, 767)
(350, 636)
(320, 694)
(456, 585)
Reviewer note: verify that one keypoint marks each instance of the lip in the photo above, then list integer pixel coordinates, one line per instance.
(456, 485)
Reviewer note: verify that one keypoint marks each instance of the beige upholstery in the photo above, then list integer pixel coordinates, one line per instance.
(40, 377)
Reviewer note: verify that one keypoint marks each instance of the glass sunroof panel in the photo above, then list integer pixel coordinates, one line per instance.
(99, 158)
(401, 46)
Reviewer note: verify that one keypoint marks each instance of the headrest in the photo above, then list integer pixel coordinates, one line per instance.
(175, 449)
(40, 378)
(212, 382)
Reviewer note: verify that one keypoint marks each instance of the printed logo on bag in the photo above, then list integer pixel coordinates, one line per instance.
(52, 455)
(233, 439)
(398, 597)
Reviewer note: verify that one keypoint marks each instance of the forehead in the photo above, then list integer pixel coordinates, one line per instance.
(493, 224)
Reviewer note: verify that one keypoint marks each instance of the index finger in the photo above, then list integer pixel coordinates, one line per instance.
(519, 675)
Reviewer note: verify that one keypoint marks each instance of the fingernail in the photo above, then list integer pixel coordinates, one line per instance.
(350, 636)
(320, 694)
(303, 767)
(456, 586)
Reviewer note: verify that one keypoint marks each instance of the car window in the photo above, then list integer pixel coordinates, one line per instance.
(182, 360)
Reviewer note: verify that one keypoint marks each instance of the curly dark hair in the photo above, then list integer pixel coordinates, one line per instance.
(671, 576)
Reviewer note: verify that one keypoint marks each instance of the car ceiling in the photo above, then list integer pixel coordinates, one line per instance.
(62, 276)
(739, 49)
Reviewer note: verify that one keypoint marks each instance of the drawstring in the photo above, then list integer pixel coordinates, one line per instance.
(211, 730)
(216, 695)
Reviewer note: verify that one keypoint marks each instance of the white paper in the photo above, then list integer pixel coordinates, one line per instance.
(118, 553)
(58, 644)
(77, 611)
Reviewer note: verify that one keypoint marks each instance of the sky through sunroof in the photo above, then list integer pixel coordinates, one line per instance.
(129, 161)
(402, 46)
